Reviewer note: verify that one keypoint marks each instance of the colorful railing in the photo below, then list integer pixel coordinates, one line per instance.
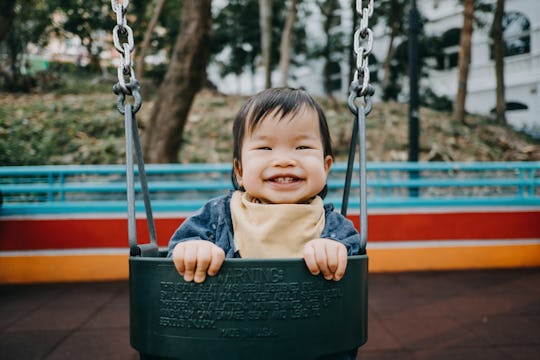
(185, 187)
(68, 223)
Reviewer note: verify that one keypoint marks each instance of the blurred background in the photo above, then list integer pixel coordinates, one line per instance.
(478, 84)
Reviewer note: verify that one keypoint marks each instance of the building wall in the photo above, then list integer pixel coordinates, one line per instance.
(522, 72)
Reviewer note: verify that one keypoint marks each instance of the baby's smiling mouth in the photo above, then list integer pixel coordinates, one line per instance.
(284, 179)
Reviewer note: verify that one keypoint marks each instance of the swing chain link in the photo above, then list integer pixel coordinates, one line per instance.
(360, 86)
(127, 83)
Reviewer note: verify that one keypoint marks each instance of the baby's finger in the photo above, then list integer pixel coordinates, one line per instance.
(310, 260)
(322, 261)
(218, 256)
(342, 263)
(332, 258)
(178, 258)
(204, 256)
(190, 262)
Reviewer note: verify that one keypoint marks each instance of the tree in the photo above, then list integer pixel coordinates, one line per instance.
(184, 78)
(333, 46)
(498, 55)
(29, 22)
(85, 19)
(395, 11)
(464, 60)
(145, 44)
(160, 42)
(6, 16)
(237, 35)
(352, 54)
(393, 14)
(236, 32)
(265, 21)
(286, 41)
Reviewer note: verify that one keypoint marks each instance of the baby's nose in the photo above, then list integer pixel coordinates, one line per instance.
(283, 160)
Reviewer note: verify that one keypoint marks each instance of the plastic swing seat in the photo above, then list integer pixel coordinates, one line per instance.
(252, 309)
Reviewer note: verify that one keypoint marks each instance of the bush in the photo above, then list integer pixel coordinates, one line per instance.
(433, 101)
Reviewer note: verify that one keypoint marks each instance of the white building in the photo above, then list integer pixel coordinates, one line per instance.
(521, 64)
(521, 26)
(444, 20)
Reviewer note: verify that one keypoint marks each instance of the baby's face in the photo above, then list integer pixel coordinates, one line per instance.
(283, 159)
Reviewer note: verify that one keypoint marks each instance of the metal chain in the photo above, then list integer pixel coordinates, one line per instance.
(127, 83)
(360, 87)
(363, 34)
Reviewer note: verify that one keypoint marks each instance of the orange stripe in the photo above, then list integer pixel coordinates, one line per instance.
(453, 258)
(58, 268)
(53, 268)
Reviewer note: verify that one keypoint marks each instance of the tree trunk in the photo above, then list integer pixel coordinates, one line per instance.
(265, 21)
(464, 60)
(352, 54)
(498, 55)
(328, 8)
(94, 64)
(286, 40)
(145, 45)
(387, 61)
(184, 78)
(6, 16)
(88, 42)
(394, 18)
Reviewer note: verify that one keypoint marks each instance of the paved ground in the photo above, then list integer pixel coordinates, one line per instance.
(427, 315)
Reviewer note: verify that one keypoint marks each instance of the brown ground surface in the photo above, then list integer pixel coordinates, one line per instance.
(476, 315)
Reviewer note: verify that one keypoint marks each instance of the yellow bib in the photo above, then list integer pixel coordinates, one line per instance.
(274, 230)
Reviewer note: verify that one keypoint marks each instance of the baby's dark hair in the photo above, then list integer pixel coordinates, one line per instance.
(283, 100)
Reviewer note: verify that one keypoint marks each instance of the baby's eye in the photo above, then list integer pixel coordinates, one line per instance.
(303, 147)
(264, 148)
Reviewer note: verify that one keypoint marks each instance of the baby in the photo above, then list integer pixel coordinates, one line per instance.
(281, 159)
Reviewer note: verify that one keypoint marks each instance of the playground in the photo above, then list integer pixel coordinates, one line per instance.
(454, 252)
(476, 315)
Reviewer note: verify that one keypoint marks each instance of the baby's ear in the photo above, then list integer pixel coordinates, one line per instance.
(237, 168)
(328, 163)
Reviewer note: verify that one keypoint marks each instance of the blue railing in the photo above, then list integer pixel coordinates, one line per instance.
(185, 187)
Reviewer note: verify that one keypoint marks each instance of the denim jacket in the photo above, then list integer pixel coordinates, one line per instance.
(213, 223)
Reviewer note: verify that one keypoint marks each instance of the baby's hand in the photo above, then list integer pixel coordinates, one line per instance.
(195, 258)
(326, 256)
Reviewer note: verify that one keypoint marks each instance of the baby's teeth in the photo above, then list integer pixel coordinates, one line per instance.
(284, 179)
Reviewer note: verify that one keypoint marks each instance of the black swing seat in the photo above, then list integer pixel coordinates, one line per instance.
(253, 309)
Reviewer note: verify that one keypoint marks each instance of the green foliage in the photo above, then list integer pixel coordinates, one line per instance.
(236, 26)
(169, 21)
(236, 30)
(31, 24)
(433, 101)
(60, 129)
(85, 18)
